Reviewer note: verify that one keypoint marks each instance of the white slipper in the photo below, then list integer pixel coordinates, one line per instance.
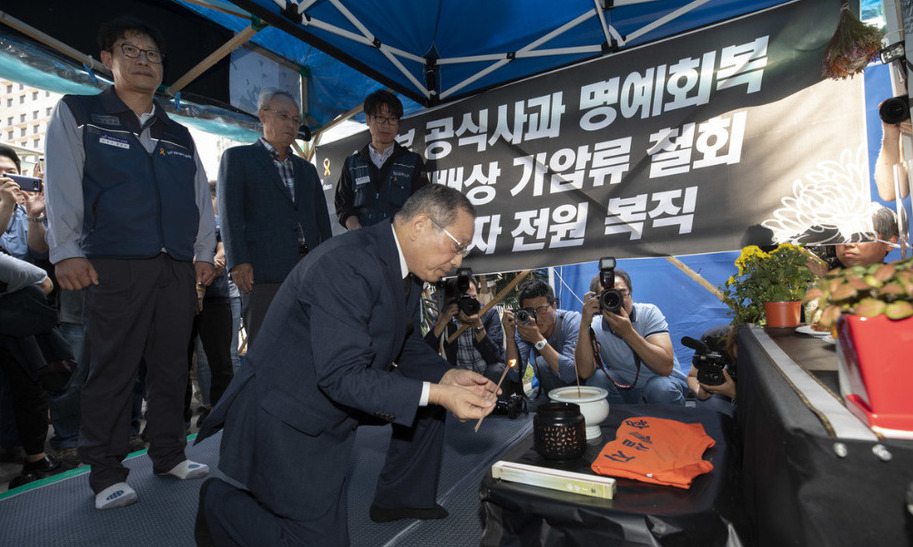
(187, 470)
(116, 495)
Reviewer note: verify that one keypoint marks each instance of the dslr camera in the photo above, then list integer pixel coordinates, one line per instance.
(610, 299)
(455, 290)
(709, 363)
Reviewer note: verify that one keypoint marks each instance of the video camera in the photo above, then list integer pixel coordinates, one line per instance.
(709, 363)
(610, 299)
(455, 290)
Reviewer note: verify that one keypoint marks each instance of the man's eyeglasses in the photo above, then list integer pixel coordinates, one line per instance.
(294, 118)
(538, 310)
(386, 120)
(458, 248)
(152, 55)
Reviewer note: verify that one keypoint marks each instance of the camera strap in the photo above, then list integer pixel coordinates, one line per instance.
(605, 370)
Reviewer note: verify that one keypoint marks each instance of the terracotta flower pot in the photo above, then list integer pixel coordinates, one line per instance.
(875, 357)
(783, 314)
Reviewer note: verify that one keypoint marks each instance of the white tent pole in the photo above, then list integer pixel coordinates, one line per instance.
(559, 51)
(665, 19)
(531, 46)
(304, 5)
(605, 27)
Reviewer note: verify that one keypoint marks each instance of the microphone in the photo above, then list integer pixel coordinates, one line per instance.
(304, 133)
(696, 345)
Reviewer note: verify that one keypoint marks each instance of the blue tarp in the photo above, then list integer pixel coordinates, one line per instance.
(449, 30)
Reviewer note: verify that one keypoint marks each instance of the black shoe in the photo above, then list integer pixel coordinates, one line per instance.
(201, 527)
(201, 417)
(33, 471)
(389, 514)
(68, 457)
(137, 443)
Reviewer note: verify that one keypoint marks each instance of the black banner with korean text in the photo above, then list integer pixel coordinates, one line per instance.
(683, 146)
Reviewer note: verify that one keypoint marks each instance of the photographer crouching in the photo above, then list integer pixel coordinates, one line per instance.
(481, 346)
(712, 376)
(626, 349)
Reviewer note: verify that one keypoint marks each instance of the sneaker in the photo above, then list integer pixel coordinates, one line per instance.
(33, 471)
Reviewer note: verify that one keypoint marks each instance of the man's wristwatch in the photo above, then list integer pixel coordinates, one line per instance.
(540, 344)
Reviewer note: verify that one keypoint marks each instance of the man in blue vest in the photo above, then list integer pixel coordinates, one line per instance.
(378, 179)
(131, 223)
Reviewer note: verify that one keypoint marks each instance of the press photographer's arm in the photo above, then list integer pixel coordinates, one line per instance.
(890, 155)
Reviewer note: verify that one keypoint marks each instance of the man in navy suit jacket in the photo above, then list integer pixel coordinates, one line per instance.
(272, 206)
(324, 363)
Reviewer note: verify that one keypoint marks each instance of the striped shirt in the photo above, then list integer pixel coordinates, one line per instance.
(285, 167)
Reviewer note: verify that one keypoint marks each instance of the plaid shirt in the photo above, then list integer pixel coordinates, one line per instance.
(467, 354)
(285, 167)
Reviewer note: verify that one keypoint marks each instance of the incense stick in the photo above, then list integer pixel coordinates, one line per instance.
(510, 364)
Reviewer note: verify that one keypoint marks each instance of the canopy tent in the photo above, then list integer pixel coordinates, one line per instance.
(431, 51)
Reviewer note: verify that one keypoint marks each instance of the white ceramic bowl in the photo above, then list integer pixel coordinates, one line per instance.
(592, 402)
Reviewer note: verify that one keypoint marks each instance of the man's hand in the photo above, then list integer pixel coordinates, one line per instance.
(9, 192)
(509, 322)
(472, 320)
(530, 331)
(352, 223)
(620, 322)
(467, 394)
(243, 276)
(590, 308)
(204, 272)
(75, 274)
(34, 203)
(727, 388)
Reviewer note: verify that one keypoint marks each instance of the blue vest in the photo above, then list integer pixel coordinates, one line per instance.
(380, 193)
(135, 203)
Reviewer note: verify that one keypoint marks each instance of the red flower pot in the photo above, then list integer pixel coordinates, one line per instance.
(877, 361)
(782, 314)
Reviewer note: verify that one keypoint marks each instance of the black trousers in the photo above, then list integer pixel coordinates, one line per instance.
(141, 311)
(30, 403)
(213, 326)
(258, 302)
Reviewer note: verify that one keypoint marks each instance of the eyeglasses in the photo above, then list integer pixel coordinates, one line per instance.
(538, 310)
(386, 120)
(152, 55)
(285, 117)
(458, 248)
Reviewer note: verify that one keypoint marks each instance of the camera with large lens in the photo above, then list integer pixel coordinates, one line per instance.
(895, 109)
(709, 363)
(610, 299)
(455, 292)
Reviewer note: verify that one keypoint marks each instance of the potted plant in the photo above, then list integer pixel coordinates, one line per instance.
(779, 277)
(870, 311)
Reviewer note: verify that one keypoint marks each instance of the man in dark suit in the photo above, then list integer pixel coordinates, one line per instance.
(324, 365)
(272, 205)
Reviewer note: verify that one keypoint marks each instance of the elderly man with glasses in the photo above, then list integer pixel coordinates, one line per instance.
(272, 206)
(628, 352)
(378, 179)
(543, 338)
